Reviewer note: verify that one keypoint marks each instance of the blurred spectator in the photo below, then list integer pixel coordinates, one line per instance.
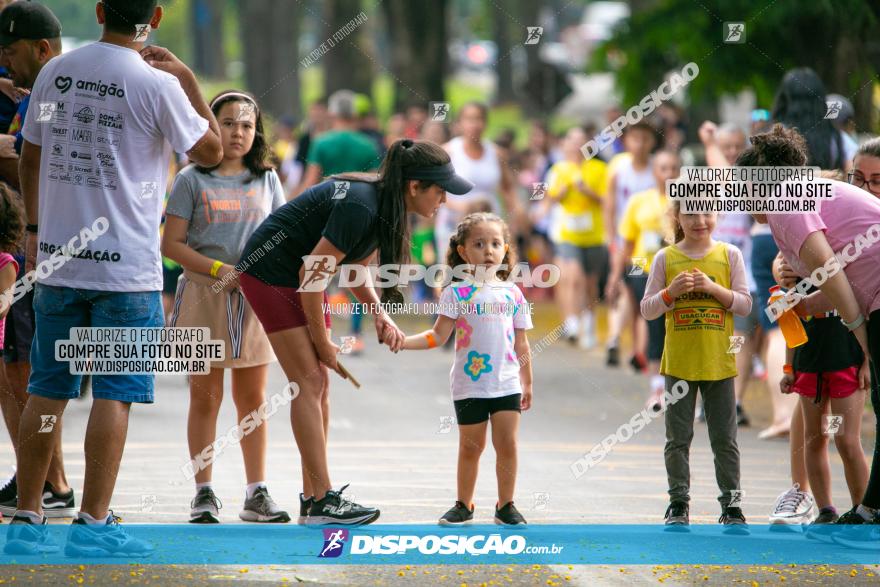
(341, 149)
(800, 104)
(416, 117)
(477, 160)
(395, 129)
(436, 132)
(368, 124)
(317, 122)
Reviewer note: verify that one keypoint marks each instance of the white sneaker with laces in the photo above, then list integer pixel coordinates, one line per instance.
(793, 507)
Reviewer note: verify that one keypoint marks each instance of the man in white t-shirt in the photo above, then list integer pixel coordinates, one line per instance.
(103, 122)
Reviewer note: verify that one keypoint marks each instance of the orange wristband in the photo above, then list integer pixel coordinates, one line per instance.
(667, 299)
(788, 369)
(432, 342)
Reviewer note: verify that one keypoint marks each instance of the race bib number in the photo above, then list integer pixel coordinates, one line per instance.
(579, 223)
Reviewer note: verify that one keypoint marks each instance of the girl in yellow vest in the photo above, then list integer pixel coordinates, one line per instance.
(699, 284)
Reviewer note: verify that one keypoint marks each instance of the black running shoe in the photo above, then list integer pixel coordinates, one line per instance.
(824, 526)
(613, 359)
(458, 515)
(335, 509)
(103, 540)
(304, 505)
(25, 537)
(9, 497)
(205, 507)
(55, 505)
(852, 517)
(678, 514)
(58, 505)
(733, 518)
(509, 516)
(742, 420)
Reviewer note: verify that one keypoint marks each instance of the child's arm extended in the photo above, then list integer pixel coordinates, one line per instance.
(659, 299)
(737, 299)
(434, 337)
(524, 356)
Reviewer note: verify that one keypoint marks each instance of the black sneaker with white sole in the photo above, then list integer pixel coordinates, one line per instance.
(262, 508)
(55, 505)
(335, 509)
(677, 516)
(824, 526)
(24, 537)
(205, 507)
(304, 504)
(508, 515)
(58, 505)
(458, 515)
(103, 540)
(734, 521)
(9, 497)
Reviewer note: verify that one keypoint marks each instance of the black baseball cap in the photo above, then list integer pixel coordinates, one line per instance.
(27, 20)
(442, 175)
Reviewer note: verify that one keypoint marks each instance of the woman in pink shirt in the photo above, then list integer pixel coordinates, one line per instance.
(848, 227)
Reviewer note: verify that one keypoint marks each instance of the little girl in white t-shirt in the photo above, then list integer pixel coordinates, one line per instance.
(491, 378)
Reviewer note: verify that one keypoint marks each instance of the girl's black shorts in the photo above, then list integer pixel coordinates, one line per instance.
(478, 410)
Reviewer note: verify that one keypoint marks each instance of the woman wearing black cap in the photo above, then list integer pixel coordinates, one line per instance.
(341, 221)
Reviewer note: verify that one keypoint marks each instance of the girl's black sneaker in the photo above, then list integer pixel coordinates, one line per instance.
(458, 515)
(733, 518)
(509, 515)
(677, 514)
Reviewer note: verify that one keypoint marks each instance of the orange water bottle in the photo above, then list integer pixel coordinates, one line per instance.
(789, 322)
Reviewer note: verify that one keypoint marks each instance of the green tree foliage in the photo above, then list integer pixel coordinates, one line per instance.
(830, 36)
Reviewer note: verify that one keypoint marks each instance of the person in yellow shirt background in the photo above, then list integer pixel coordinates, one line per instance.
(641, 230)
(578, 185)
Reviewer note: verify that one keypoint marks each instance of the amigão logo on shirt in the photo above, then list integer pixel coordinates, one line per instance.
(64, 83)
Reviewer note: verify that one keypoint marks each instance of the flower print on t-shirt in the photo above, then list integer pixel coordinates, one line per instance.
(486, 363)
(476, 365)
(464, 293)
(463, 333)
(511, 339)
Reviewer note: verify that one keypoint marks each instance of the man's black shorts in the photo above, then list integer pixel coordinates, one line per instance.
(478, 410)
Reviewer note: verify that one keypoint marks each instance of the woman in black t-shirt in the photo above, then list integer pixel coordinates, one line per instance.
(287, 264)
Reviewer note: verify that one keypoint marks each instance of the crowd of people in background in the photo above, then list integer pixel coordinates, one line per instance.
(603, 221)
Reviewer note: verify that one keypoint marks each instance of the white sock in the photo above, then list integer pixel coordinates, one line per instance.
(251, 488)
(658, 382)
(587, 323)
(571, 325)
(33, 516)
(88, 519)
(866, 512)
(203, 485)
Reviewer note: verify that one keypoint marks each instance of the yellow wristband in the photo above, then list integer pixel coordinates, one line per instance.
(215, 268)
(432, 342)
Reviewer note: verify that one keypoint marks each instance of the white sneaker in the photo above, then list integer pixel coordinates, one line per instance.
(794, 507)
(570, 328)
(587, 342)
(758, 369)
